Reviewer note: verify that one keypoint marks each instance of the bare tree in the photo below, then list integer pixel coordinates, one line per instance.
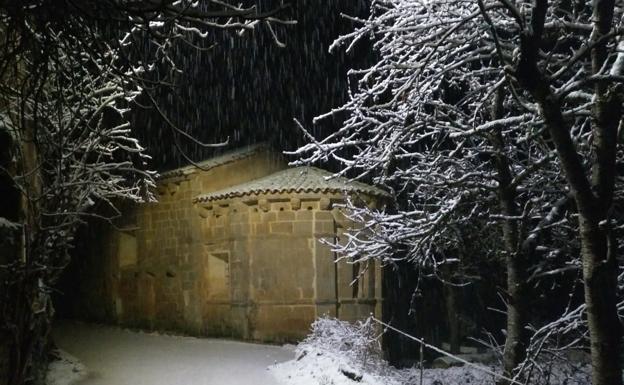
(591, 65)
(72, 72)
(466, 112)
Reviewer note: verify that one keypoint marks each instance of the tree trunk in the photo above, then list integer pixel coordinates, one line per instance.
(593, 198)
(600, 280)
(28, 308)
(597, 243)
(452, 316)
(517, 336)
(516, 260)
(5, 357)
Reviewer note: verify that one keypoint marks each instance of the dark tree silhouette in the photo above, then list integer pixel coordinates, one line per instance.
(71, 73)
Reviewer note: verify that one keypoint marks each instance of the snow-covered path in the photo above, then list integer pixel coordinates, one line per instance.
(121, 357)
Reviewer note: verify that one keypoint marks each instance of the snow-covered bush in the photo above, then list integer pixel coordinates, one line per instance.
(360, 341)
(337, 353)
(342, 353)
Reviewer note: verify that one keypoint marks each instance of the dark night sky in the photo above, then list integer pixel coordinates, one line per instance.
(249, 89)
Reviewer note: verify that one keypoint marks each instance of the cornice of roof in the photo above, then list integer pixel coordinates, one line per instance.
(294, 180)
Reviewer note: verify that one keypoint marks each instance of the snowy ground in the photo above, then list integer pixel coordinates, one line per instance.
(339, 353)
(335, 353)
(120, 357)
(65, 369)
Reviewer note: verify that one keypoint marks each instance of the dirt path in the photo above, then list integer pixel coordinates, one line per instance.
(120, 357)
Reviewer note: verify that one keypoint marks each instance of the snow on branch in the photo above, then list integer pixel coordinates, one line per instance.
(441, 120)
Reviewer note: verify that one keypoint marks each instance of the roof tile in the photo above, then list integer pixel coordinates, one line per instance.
(294, 180)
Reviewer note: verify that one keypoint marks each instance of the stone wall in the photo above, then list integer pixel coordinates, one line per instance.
(146, 270)
(249, 268)
(280, 277)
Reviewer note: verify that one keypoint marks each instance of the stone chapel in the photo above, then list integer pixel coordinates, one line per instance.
(232, 248)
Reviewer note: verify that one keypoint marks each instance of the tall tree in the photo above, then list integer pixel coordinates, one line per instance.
(466, 112)
(71, 73)
(588, 61)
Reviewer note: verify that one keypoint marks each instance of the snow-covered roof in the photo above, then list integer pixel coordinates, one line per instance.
(294, 180)
(227, 157)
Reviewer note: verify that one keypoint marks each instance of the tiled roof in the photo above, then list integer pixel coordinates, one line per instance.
(220, 160)
(294, 180)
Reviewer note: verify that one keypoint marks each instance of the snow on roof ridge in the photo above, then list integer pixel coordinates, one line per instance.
(293, 180)
(219, 160)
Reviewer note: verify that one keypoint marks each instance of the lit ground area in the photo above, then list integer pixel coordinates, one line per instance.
(120, 357)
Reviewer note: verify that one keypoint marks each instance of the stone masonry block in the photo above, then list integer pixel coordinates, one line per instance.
(324, 228)
(295, 203)
(261, 228)
(323, 216)
(268, 217)
(285, 216)
(303, 227)
(325, 203)
(304, 215)
(281, 227)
